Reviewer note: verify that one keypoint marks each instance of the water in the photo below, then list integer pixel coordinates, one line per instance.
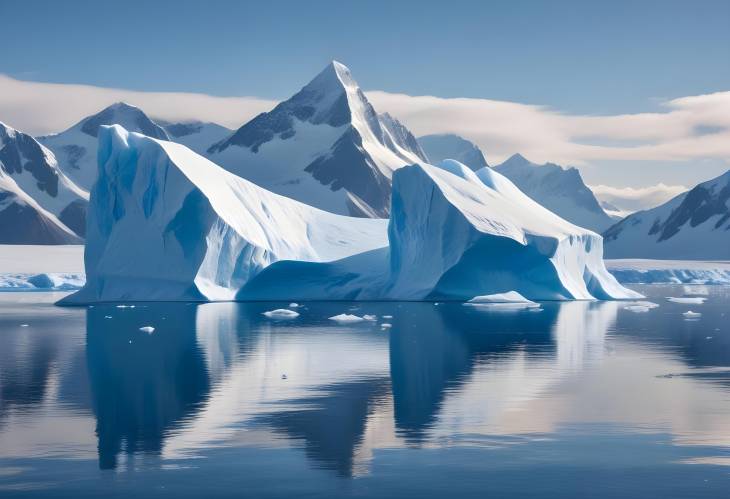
(577, 400)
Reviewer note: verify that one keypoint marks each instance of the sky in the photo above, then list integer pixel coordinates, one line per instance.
(574, 82)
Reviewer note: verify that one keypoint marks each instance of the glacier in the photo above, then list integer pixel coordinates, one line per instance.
(168, 224)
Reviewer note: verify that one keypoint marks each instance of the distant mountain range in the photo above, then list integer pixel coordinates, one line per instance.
(694, 225)
(328, 147)
(558, 189)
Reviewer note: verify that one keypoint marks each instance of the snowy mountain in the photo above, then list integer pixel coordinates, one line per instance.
(180, 227)
(558, 189)
(692, 226)
(326, 146)
(30, 171)
(76, 147)
(24, 221)
(448, 146)
(196, 135)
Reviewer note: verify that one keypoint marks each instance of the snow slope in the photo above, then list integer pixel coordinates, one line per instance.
(559, 190)
(24, 221)
(439, 147)
(692, 226)
(325, 146)
(76, 147)
(34, 170)
(167, 224)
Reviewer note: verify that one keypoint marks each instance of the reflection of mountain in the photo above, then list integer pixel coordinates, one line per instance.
(143, 385)
(332, 425)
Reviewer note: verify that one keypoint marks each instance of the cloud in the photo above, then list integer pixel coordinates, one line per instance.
(689, 128)
(42, 108)
(634, 199)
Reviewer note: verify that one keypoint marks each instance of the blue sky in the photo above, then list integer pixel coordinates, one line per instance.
(587, 57)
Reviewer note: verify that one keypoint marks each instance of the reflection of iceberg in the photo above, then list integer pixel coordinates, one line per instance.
(143, 385)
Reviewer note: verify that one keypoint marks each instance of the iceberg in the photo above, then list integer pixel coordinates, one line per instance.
(168, 224)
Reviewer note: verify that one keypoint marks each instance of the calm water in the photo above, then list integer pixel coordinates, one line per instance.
(578, 400)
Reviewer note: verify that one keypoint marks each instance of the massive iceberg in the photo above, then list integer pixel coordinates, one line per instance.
(167, 224)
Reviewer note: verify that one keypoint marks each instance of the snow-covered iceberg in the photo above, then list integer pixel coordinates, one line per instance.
(167, 224)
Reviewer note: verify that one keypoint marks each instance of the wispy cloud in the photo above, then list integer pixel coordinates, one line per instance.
(634, 199)
(695, 127)
(42, 108)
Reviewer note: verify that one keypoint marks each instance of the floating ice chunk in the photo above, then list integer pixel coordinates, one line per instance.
(386, 325)
(293, 305)
(637, 308)
(691, 315)
(107, 316)
(125, 306)
(508, 297)
(281, 313)
(147, 329)
(387, 317)
(640, 306)
(368, 317)
(695, 290)
(696, 300)
(346, 318)
(24, 325)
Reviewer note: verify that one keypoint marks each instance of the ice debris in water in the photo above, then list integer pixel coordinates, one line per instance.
(346, 318)
(281, 313)
(293, 305)
(640, 306)
(691, 315)
(386, 325)
(387, 317)
(369, 317)
(147, 329)
(696, 300)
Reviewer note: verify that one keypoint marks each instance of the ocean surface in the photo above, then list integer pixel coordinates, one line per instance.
(571, 400)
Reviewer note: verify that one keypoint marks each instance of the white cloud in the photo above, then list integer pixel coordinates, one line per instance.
(691, 128)
(42, 108)
(543, 134)
(634, 199)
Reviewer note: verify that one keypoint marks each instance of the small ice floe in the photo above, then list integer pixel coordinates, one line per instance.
(126, 306)
(640, 306)
(281, 313)
(368, 317)
(387, 317)
(346, 318)
(691, 315)
(695, 300)
(107, 316)
(294, 305)
(147, 329)
(24, 325)
(386, 325)
(436, 304)
(695, 290)
(510, 300)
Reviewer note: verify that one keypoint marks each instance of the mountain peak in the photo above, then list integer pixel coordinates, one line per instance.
(121, 113)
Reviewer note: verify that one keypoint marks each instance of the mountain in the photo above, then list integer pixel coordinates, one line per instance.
(325, 146)
(692, 226)
(449, 146)
(558, 189)
(180, 227)
(197, 135)
(24, 221)
(76, 147)
(31, 172)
